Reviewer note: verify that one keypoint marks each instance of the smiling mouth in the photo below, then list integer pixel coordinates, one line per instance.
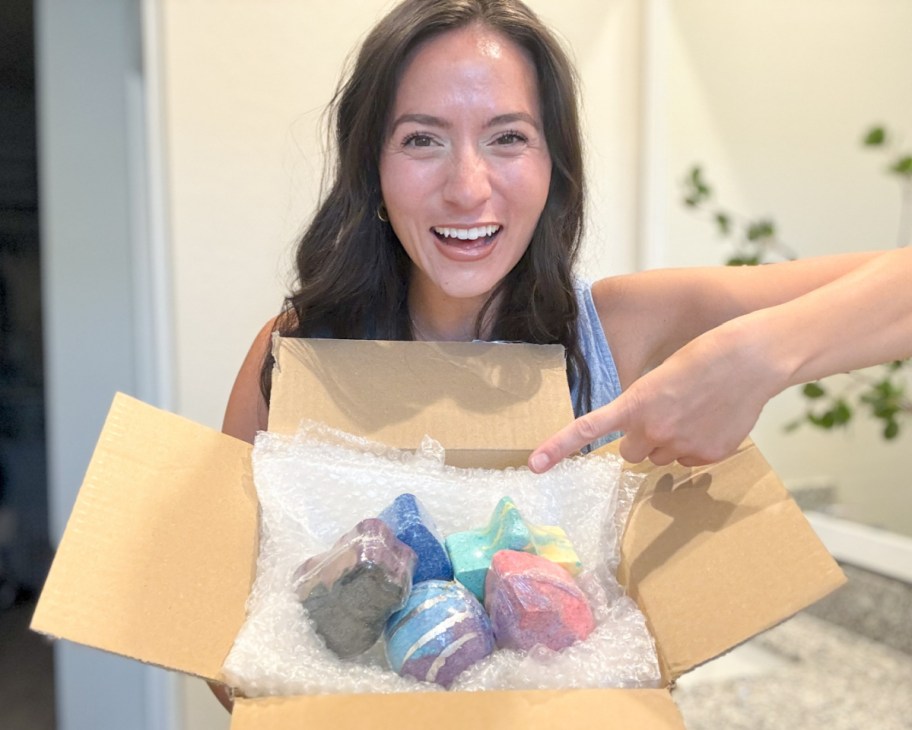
(479, 235)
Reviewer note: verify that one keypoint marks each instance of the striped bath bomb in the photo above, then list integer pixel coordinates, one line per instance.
(441, 631)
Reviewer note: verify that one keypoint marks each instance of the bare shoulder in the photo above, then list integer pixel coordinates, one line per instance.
(648, 315)
(247, 411)
(633, 310)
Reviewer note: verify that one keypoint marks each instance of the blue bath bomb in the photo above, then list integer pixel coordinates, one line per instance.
(440, 632)
(411, 523)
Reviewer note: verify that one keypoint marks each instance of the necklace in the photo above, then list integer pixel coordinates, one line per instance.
(417, 331)
(420, 334)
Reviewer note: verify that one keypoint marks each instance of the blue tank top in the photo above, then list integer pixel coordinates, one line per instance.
(606, 386)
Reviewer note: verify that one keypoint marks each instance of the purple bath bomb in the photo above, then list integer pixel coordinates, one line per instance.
(532, 601)
(351, 590)
(440, 632)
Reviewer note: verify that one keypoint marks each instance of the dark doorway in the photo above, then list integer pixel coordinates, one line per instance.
(26, 670)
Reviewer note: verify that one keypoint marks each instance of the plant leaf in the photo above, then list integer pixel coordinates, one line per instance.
(743, 261)
(875, 137)
(842, 414)
(760, 229)
(813, 390)
(902, 166)
(723, 222)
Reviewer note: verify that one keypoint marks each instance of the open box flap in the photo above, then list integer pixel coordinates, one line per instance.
(714, 555)
(496, 401)
(621, 709)
(159, 553)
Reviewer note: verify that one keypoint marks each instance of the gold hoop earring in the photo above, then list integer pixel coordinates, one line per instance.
(382, 213)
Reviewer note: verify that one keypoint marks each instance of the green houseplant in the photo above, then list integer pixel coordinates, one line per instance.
(881, 392)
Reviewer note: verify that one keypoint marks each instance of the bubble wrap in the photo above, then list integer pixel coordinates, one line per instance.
(313, 486)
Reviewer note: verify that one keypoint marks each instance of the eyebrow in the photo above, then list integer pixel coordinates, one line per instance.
(432, 121)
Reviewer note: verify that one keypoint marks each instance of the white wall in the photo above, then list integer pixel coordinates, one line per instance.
(773, 97)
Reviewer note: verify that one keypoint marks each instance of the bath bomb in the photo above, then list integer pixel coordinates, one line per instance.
(552, 542)
(471, 551)
(440, 632)
(413, 525)
(533, 601)
(351, 590)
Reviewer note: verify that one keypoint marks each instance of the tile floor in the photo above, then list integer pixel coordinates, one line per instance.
(806, 674)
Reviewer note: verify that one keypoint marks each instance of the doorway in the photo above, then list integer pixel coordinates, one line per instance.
(26, 662)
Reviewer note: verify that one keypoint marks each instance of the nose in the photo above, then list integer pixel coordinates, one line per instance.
(468, 183)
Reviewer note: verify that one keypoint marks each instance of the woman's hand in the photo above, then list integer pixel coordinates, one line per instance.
(696, 407)
(798, 322)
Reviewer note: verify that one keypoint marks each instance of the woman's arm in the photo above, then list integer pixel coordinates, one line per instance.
(779, 326)
(245, 414)
(650, 315)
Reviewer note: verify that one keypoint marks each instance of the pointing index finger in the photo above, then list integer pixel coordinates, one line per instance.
(572, 437)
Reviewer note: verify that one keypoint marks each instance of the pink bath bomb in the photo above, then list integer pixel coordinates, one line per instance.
(532, 601)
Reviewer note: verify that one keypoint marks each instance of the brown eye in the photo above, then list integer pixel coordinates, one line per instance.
(417, 140)
(508, 138)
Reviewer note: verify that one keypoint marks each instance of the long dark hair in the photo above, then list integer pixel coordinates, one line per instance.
(352, 273)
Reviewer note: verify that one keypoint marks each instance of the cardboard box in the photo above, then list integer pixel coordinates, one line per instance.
(159, 553)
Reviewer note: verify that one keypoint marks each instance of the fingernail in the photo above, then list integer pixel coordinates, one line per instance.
(538, 462)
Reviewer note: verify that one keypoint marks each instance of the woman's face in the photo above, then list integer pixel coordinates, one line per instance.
(465, 169)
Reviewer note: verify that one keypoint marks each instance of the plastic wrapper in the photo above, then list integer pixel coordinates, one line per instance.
(351, 590)
(314, 485)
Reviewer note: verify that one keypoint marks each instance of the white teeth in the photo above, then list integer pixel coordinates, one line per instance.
(467, 234)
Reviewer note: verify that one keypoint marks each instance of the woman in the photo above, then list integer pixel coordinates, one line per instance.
(455, 212)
